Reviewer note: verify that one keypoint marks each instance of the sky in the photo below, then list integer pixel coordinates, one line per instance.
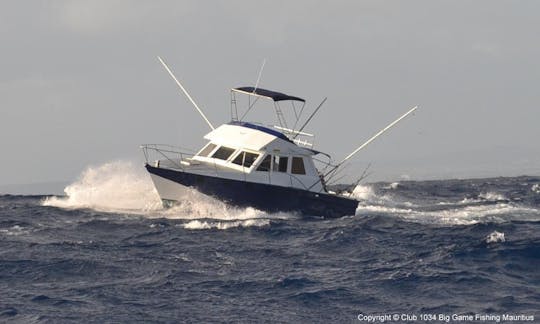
(80, 84)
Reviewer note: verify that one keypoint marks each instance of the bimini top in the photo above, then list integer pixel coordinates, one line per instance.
(276, 96)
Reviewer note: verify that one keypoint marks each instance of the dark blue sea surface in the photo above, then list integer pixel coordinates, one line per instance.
(431, 247)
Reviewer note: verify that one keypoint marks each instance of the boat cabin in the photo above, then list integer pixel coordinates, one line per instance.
(254, 153)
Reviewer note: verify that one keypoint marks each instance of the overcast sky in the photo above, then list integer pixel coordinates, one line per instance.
(80, 83)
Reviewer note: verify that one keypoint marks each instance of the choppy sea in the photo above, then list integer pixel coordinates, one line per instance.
(107, 252)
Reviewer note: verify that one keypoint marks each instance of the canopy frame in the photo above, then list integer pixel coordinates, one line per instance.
(276, 97)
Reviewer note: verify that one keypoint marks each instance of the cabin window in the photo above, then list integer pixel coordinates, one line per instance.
(239, 159)
(223, 153)
(246, 159)
(265, 164)
(280, 163)
(249, 159)
(207, 149)
(297, 166)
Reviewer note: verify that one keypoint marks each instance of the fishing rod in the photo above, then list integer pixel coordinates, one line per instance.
(371, 140)
(186, 93)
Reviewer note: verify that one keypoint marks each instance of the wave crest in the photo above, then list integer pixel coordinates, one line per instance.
(197, 224)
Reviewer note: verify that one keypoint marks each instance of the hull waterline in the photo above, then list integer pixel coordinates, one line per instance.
(269, 198)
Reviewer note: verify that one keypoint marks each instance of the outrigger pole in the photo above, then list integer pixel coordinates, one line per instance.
(371, 140)
(186, 93)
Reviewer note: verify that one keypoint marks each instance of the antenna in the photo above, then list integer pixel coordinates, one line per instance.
(259, 76)
(186, 93)
(250, 105)
(372, 139)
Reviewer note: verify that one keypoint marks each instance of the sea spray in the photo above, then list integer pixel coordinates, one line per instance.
(116, 186)
(122, 187)
(363, 192)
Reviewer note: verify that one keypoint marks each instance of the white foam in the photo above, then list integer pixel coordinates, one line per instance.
(492, 196)
(199, 225)
(457, 213)
(112, 187)
(15, 230)
(536, 188)
(495, 237)
(383, 209)
(393, 185)
(461, 215)
(201, 206)
(466, 215)
(363, 192)
(482, 197)
(122, 187)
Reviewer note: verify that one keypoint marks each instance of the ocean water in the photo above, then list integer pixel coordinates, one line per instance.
(108, 252)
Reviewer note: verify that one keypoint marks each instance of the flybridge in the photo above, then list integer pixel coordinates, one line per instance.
(277, 98)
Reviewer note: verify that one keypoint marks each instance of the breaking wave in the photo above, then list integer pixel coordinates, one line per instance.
(486, 207)
(492, 196)
(198, 224)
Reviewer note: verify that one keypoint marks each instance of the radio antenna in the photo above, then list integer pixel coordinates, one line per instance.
(259, 76)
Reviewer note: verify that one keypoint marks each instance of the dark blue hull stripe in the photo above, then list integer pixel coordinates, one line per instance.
(268, 198)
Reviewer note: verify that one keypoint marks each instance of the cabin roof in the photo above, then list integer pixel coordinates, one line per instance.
(274, 95)
(254, 137)
(261, 128)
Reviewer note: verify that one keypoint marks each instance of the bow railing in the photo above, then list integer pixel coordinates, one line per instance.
(172, 156)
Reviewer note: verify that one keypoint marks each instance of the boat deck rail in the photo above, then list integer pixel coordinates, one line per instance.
(164, 152)
(168, 156)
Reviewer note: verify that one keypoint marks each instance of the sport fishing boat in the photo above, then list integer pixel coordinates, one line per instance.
(247, 164)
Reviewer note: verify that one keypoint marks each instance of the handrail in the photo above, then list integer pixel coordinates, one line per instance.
(172, 148)
(163, 149)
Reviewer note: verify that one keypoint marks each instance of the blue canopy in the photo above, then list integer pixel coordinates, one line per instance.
(276, 96)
